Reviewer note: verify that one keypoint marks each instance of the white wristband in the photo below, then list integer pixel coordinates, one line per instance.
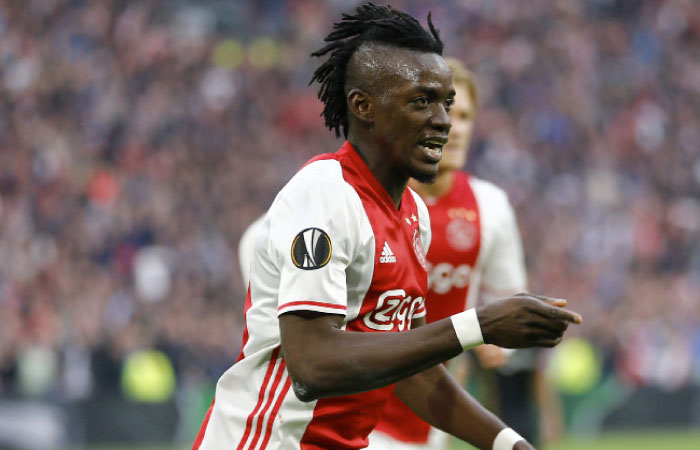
(506, 439)
(467, 328)
(508, 351)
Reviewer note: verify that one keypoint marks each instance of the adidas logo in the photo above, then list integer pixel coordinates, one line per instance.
(387, 255)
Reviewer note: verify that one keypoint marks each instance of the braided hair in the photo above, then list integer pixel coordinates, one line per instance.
(369, 24)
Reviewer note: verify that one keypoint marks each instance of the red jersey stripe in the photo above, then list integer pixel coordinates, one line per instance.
(275, 410)
(309, 303)
(261, 397)
(267, 421)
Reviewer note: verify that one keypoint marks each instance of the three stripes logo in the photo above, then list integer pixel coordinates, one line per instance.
(387, 255)
(311, 249)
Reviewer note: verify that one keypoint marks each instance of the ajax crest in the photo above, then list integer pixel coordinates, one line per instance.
(418, 248)
(461, 234)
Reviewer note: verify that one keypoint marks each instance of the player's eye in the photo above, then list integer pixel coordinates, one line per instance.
(420, 101)
(449, 103)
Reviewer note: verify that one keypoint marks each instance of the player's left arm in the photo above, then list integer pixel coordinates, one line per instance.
(436, 397)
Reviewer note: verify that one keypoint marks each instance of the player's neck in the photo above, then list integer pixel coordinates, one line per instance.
(441, 186)
(393, 181)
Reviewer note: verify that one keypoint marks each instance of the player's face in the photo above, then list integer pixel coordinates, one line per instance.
(411, 115)
(454, 154)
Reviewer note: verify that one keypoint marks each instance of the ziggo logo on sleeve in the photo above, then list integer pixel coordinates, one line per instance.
(394, 311)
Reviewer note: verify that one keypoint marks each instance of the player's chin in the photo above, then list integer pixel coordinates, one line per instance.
(425, 173)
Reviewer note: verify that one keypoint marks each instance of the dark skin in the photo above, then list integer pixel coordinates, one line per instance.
(436, 397)
(390, 119)
(406, 107)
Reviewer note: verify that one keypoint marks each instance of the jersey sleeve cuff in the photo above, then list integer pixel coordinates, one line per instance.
(306, 305)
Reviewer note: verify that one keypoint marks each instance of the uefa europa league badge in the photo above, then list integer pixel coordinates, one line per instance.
(311, 249)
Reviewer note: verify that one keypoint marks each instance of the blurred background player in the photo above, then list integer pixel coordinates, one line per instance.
(475, 255)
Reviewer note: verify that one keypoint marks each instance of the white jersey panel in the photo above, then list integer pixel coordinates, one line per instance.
(500, 268)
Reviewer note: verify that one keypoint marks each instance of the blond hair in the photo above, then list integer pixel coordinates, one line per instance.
(463, 77)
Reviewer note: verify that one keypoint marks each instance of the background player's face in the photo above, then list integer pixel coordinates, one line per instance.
(411, 119)
(454, 154)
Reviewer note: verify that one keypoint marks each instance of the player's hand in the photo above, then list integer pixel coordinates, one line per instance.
(525, 320)
(490, 356)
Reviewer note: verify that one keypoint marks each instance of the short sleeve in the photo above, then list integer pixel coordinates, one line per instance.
(504, 266)
(312, 239)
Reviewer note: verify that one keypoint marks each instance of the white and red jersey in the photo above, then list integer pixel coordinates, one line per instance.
(333, 242)
(475, 249)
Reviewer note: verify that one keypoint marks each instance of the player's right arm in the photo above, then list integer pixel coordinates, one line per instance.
(323, 360)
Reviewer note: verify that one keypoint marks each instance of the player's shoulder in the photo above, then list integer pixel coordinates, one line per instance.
(322, 170)
(317, 190)
(320, 178)
(488, 192)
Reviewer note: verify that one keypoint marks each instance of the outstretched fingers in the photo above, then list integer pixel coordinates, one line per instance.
(568, 315)
(560, 302)
(526, 320)
(557, 326)
(556, 312)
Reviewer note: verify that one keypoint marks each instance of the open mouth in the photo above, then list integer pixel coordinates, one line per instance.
(433, 148)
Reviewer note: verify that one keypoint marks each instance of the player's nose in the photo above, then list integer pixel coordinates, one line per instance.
(440, 119)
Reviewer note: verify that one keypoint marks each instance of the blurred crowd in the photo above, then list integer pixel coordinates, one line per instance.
(138, 139)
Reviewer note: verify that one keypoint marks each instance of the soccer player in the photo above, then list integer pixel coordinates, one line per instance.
(339, 269)
(475, 249)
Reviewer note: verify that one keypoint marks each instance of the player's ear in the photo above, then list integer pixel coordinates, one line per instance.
(360, 105)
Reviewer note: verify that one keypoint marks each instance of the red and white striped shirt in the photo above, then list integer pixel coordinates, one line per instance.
(334, 242)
